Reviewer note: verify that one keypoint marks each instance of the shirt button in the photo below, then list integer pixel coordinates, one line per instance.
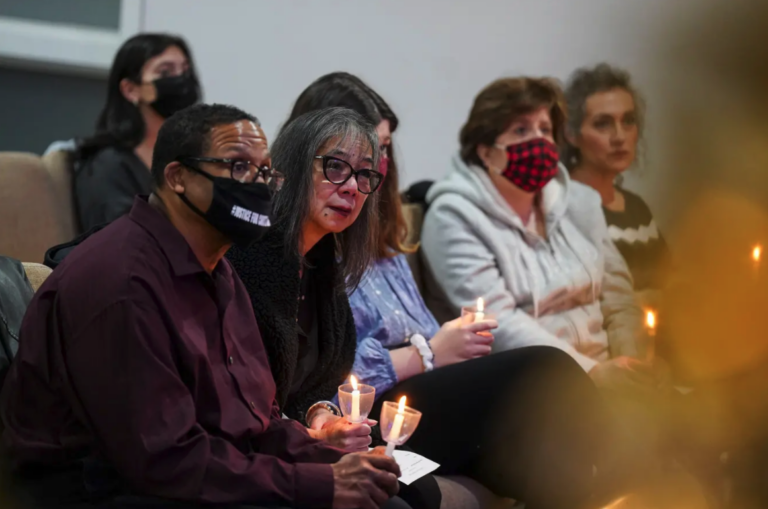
(378, 292)
(397, 312)
(231, 360)
(253, 405)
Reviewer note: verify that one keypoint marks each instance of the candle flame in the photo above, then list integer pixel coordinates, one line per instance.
(353, 381)
(480, 305)
(757, 252)
(650, 319)
(401, 407)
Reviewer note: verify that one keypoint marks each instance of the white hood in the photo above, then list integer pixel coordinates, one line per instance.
(568, 289)
(474, 184)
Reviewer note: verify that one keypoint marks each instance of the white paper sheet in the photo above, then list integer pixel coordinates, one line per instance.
(412, 466)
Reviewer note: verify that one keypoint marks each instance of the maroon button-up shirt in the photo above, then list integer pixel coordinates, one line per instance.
(160, 370)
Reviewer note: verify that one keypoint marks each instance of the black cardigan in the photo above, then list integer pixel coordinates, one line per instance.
(271, 276)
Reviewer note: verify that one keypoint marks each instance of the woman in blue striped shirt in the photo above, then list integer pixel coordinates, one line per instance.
(518, 422)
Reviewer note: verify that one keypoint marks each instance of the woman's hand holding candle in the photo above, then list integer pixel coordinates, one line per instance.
(339, 432)
(456, 342)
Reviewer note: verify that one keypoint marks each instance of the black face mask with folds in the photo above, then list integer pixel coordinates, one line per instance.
(239, 211)
(174, 94)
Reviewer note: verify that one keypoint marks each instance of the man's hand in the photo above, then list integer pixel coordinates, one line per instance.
(364, 481)
(341, 433)
(625, 375)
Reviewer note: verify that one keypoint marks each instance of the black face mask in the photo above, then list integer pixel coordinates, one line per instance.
(174, 93)
(239, 211)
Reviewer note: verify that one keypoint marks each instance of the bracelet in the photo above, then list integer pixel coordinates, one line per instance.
(422, 346)
(321, 405)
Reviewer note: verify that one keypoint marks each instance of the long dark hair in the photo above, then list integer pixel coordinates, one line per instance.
(341, 89)
(293, 153)
(120, 122)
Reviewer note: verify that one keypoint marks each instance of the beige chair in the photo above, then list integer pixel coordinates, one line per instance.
(37, 273)
(36, 210)
(59, 167)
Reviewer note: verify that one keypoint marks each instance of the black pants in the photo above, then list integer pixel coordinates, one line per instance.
(157, 503)
(64, 491)
(528, 424)
(149, 503)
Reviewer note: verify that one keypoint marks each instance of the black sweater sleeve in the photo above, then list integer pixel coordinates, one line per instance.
(271, 276)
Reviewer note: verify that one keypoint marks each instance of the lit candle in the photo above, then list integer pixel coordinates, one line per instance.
(355, 414)
(397, 427)
(757, 253)
(650, 326)
(650, 322)
(479, 314)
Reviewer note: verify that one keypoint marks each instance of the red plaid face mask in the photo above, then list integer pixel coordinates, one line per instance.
(531, 164)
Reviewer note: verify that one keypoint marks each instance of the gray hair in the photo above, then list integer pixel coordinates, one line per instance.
(293, 153)
(584, 83)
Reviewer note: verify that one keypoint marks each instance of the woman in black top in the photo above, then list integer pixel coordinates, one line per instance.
(151, 78)
(297, 287)
(604, 126)
(322, 239)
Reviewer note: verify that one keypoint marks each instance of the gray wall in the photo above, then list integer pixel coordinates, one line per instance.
(38, 108)
(95, 13)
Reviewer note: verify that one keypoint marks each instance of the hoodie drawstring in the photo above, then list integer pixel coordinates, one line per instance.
(532, 280)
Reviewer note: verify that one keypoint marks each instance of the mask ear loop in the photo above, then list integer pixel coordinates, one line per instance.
(497, 171)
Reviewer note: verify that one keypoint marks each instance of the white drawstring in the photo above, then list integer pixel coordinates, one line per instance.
(531, 279)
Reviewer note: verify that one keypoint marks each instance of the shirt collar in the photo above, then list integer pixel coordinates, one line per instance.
(171, 241)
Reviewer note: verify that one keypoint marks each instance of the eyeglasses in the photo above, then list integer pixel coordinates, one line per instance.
(338, 171)
(245, 171)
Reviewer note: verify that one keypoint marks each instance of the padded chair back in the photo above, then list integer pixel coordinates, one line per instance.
(58, 164)
(35, 204)
(37, 273)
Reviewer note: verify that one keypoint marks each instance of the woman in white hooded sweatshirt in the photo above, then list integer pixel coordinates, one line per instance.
(508, 225)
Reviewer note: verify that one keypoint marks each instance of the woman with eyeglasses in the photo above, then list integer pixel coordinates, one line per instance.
(151, 78)
(323, 236)
(540, 399)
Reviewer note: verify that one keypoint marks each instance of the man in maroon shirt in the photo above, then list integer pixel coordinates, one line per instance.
(141, 378)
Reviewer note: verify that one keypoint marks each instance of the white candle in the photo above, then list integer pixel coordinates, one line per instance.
(397, 425)
(757, 254)
(479, 314)
(650, 326)
(355, 414)
(650, 322)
